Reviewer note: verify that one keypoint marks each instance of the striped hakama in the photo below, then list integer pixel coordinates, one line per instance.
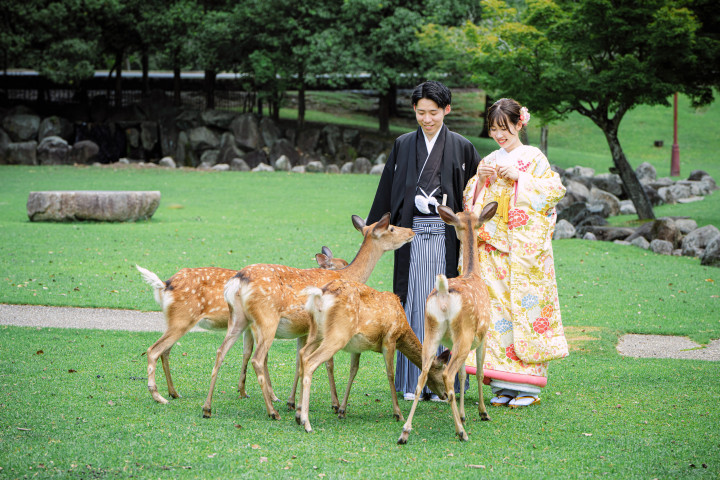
(427, 259)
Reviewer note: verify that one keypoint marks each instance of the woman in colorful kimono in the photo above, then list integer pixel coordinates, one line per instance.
(516, 259)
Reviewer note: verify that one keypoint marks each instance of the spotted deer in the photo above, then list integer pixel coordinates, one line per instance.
(355, 318)
(268, 299)
(193, 295)
(457, 314)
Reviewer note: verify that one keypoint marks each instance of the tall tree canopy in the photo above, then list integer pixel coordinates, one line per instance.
(600, 58)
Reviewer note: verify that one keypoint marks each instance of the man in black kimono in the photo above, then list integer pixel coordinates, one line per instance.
(427, 167)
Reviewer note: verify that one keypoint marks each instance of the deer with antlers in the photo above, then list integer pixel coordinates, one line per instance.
(268, 299)
(457, 314)
(193, 295)
(355, 318)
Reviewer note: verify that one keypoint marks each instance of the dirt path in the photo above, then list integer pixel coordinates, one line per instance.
(641, 346)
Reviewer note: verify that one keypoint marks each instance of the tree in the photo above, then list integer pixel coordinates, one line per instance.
(600, 58)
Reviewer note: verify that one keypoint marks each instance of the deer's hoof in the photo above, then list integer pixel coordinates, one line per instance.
(335, 408)
(207, 413)
(290, 405)
(274, 416)
(463, 436)
(484, 417)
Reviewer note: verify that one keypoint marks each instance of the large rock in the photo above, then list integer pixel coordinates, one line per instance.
(665, 229)
(53, 151)
(609, 182)
(331, 139)
(269, 132)
(246, 131)
(577, 190)
(362, 165)
(218, 118)
(307, 141)
(21, 153)
(646, 173)
(228, 149)
(202, 138)
(58, 127)
(84, 152)
(149, 136)
(695, 242)
(283, 147)
(711, 257)
(103, 206)
(661, 247)
(563, 229)
(21, 124)
(606, 234)
(610, 203)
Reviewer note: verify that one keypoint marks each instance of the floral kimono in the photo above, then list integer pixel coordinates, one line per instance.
(516, 260)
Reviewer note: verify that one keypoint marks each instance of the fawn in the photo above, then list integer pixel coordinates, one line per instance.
(353, 317)
(457, 314)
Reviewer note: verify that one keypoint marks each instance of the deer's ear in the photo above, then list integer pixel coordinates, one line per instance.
(447, 215)
(383, 223)
(488, 211)
(326, 251)
(358, 223)
(322, 260)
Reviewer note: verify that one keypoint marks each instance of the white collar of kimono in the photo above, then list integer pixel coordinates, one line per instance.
(504, 158)
(429, 144)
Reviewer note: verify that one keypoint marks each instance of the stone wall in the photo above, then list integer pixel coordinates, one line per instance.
(156, 130)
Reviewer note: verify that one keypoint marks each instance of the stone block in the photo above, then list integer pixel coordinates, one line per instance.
(94, 205)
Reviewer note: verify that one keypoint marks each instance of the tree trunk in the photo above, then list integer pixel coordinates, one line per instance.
(629, 178)
(301, 107)
(544, 139)
(260, 106)
(177, 86)
(488, 103)
(392, 100)
(210, 89)
(118, 79)
(384, 113)
(145, 60)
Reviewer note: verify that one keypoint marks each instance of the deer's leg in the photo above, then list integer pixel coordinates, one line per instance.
(302, 344)
(264, 333)
(161, 349)
(247, 352)
(480, 361)
(330, 367)
(432, 340)
(354, 365)
(310, 364)
(460, 350)
(389, 355)
(236, 325)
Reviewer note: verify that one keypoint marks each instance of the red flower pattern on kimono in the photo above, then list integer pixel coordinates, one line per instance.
(517, 218)
(510, 352)
(541, 325)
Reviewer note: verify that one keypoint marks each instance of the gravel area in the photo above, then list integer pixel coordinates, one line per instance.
(633, 345)
(71, 317)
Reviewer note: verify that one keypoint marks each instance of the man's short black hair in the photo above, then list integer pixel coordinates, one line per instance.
(432, 90)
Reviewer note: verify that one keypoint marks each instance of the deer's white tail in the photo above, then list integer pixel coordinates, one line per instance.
(231, 289)
(443, 298)
(154, 281)
(313, 305)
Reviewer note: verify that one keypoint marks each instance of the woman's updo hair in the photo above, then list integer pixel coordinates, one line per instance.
(506, 112)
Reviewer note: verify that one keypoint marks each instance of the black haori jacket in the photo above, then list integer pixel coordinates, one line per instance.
(396, 194)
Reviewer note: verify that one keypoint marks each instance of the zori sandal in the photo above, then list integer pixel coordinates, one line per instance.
(524, 401)
(501, 400)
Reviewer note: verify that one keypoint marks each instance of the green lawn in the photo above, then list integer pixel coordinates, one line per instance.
(74, 403)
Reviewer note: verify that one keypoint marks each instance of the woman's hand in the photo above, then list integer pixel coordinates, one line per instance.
(508, 172)
(485, 172)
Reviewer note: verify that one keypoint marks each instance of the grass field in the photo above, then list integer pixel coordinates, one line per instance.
(74, 404)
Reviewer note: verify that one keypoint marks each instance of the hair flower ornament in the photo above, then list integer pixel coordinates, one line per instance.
(524, 115)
